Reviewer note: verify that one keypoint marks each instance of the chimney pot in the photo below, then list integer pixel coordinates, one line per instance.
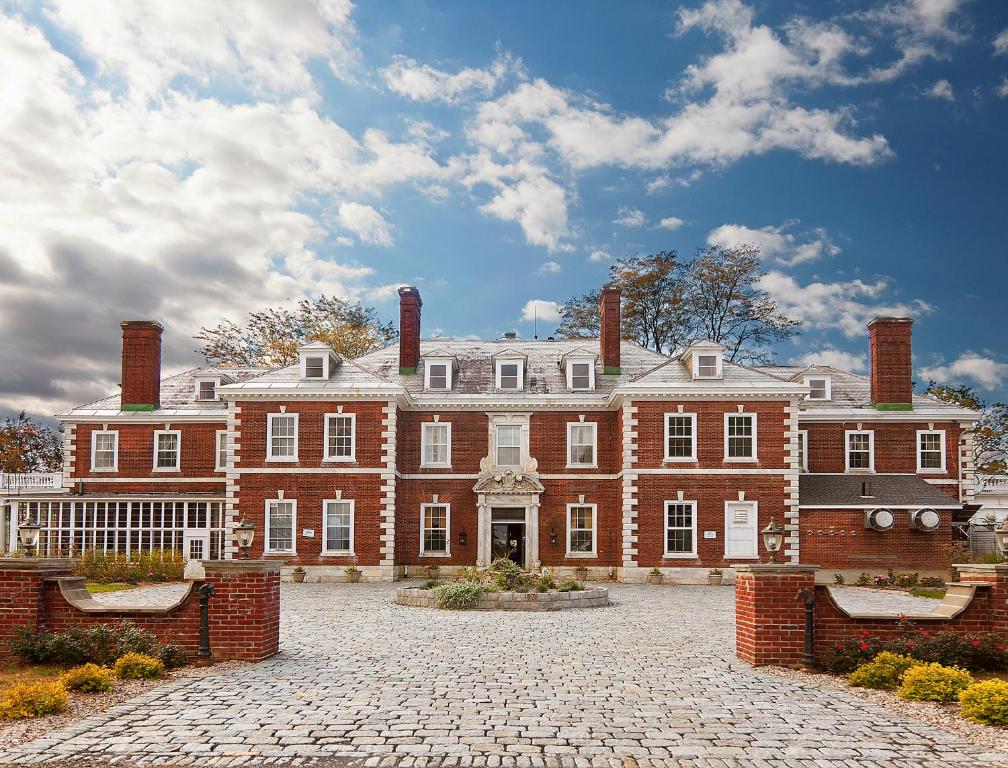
(409, 329)
(609, 328)
(891, 362)
(141, 365)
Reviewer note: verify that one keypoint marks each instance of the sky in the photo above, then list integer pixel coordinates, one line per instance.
(191, 162)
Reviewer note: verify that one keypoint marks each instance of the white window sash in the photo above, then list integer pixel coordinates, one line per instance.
(571, 364)
(941, 450)
(571, 530)
(424, 552)
(803, 450)
(425, 440)
(199, 390)
(572, 428)
(693, 528)
(448, 374)
(268, 547)
(115, 450)
(693, 429)
(827, 387)
(755, 433)
(510, 447)
(347, 506)
(848, 434)
(221, 445)
(519, 376)
(158, 434)
(270, 418)
(327, 434)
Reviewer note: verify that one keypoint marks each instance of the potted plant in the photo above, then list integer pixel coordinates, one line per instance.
(581, 573)
(714, 577)
(353, 573)
(298, 573)
(612, 574)
(433, 571)
(655, 577)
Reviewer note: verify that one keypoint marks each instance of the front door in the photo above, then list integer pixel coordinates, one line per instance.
(740, 529)
(508, 540)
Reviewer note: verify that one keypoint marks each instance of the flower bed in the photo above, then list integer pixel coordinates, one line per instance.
(513, 601)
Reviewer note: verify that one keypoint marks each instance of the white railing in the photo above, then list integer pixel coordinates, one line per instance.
(30, 481)
(992, 483)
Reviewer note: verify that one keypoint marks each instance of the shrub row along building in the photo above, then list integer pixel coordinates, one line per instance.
(594, 453)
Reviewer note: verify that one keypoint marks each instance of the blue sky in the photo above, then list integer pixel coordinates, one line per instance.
(191, 163)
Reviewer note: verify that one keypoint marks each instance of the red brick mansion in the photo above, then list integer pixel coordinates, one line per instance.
(594, 453)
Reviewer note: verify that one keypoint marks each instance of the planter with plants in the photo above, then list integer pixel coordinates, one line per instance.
(353, 573)
(433, 572)
(298, 574)
(581, 573)
(655, 577)
(715, 576)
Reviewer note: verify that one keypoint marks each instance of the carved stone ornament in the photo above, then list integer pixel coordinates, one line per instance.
(508, 482)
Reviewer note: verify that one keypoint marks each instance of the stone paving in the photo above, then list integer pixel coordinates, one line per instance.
(160, 594)
(894, 601)
(651, 680)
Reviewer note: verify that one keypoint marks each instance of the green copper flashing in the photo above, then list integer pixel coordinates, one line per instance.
(893, 406)
(611, 370)
(403, 371)
(138, 407)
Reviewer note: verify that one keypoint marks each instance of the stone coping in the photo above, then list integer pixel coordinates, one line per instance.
(38, 563)
(513, 601)
(788, 568)
(241, 566)
(957, 597)
(73, 591)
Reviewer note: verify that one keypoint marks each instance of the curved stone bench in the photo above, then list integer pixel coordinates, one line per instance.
(513, 601)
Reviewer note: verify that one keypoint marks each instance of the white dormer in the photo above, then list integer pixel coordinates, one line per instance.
(206, 382)
(438, 373)
(579, 365)
(317, 360)
(820, 387)
(705, 360)
(509, 371)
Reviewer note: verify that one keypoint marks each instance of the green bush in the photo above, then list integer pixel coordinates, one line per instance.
(101, 644)
(933, 682)
(459, 595)
(89, 678)
(570, 585)
(24, 700)
(139, 666)
(508, 576)
(108, 567)
(884, 671)
(430, 584)
(172, 656)
(986, 702)
(979, 652)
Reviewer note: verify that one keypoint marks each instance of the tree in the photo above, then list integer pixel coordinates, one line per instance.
(990, 439)
(270, 337)
(27, 446)
(727, 306)
(579, 317)
(653, 308)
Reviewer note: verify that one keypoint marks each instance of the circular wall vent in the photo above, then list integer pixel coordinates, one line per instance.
(925, 520)
(880, 519)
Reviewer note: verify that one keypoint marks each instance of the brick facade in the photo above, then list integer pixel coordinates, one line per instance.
(891, 360)
(141, 364)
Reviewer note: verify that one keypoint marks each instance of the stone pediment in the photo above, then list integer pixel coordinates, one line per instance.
(508, 483)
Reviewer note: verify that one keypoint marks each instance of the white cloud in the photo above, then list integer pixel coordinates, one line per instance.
(421, 82)
(630, 217)
(540, 309)
(549, 268)
(657, 184)
(539, 205)
(1001, 43)
(846, 306)
(671, 222)
(1003, 87)
(365, 222)
(983, 370)
(599, 257)
(836, 358)
(941, 90)
(776, 243)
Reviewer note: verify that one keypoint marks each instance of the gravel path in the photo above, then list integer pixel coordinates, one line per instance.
(894, 601)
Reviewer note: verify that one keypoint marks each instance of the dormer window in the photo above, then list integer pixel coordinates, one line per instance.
(580, 371)
(314, 367)
(318, 361)
(707, 366)
(819, 387)
(510, 375)
(206, 389)
(438, 375)
(705, 360)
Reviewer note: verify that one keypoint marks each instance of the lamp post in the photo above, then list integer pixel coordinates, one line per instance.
(773, 538)
(28, 535)
(245, 532)
(1001, 536)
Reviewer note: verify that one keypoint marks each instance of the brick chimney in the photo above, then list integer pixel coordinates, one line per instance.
(409, 329)
(891, 364)
(609, 329)
(141, 365)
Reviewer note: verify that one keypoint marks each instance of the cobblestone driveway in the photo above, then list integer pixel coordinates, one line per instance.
(652, 678)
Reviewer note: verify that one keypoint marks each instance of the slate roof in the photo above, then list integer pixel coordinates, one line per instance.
(886, 491)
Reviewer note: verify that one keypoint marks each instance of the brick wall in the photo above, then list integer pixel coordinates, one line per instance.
(141, 363)
(891, 360)
(548, 441)
(469, 436)
(410, 494)
(769, 620)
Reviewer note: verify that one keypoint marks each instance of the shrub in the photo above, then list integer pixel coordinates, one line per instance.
(932, 582)
(32, 700)
(507, 575)
(981, 652)
(459, 595)
(106, 567)
(933, 682)
(884, 671)
(864, 580)
(838, 579)
(173, 656)
(139, 666)
(986, 702)
(89, 678)
(100, 644)
(569, 585)
(430, 584)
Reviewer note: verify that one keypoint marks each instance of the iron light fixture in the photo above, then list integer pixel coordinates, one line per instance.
(463, 537)
(773, 538)
(553, 537)
(28, 535)
(245, 532)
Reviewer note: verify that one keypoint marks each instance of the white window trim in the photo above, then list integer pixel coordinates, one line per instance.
(521, 373)
(665, 437)
(448, 538)
(218, 436)
(353, 438)
(679, 555)
(571, 362)
(803, 444)
(755, 439)
(115, 453)
(325, 528)
(178, 450)
(719, 365)
(269, 437)
(931, 470)
(327, 366)
(829, 387)
(423, 444)
(871, 450)
(521, 445)
(594, 520)
(201, 380)
(570, 432)
(266, 528)
(754, 505)
(449, 373)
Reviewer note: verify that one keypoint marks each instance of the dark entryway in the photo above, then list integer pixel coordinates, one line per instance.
(508, 540)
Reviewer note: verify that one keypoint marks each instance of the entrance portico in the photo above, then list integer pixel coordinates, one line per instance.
(511, 500)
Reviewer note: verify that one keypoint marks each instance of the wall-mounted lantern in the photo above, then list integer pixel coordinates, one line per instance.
(463, 537)
(553, 537)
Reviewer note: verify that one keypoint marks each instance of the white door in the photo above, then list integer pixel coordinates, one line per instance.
(740, 529)
(196, 545)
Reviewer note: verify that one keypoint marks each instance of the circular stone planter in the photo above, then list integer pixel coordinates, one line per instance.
(514, 601)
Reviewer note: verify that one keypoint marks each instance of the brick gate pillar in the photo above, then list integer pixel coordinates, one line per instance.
(769, 618)
(21, 603)
(997, 577)
(245, 609)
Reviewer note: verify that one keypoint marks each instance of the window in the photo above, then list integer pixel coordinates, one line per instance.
(819, 387)
(930, 451)
(510, 375)
(435, 444)
(222, 450)
(580, 530)
(581, 443)
(581, 376)
(860, 450)
(340, 436)
(438, 375)
(206, 389)
(803, 450)
(680, 437)
(314, 367)
(707, 366)
(740, 437)
(508, 445)
(434, 529)
(282, 438)
(337, 527)
(104, 451)
(280, 521)
(166, 449)
(680, 529)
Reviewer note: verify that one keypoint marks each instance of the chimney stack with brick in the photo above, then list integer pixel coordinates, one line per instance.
(409, 329)
(891, 363)
(141, 365)
(609, 328)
